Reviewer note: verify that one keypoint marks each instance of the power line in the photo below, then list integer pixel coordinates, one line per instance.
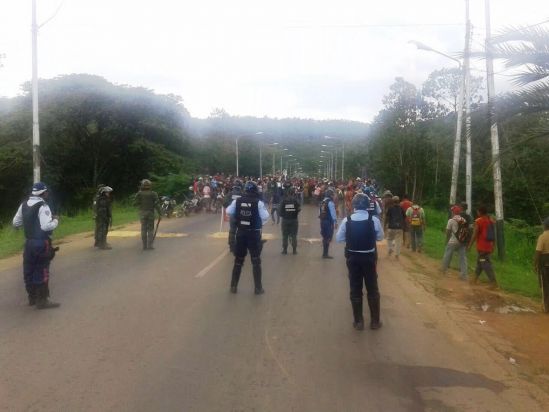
(360, 26)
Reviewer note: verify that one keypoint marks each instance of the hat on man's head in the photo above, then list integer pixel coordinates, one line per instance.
(38, 189)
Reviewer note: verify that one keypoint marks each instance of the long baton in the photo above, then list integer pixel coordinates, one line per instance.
(156, 230)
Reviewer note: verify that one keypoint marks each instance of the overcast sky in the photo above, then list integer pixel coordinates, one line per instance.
(285, 58)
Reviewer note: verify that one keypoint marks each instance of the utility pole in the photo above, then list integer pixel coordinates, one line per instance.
(457, 143)
(467, 74)
(496, 166)
(35, 124)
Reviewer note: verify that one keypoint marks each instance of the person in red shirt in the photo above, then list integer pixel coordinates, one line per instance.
(485, 245)
(405, 204)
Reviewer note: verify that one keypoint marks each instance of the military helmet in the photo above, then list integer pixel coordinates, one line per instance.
(146, 184)
(105, 189)
(251, 187)
(238, 183)
(329, 193)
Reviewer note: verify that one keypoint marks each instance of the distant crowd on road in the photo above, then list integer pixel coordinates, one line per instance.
(364, 212)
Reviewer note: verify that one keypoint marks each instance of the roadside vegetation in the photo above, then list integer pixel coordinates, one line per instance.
(12, 240)
(515, 274)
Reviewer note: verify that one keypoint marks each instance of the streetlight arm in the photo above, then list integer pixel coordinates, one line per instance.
(423, 46)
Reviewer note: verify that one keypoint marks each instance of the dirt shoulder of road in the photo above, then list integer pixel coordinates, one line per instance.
(521, 328)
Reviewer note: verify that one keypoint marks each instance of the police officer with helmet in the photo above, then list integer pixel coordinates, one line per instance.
(147, 201)
(288, 210)
(235, 194)
(38, 222)
(250, 214)
(360, 231)
(328, 221)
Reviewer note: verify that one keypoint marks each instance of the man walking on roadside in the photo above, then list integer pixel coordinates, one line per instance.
(38, 222)
(416, 222)
(394, 225)
(541, 264)
(405, 204)
(484, 236)
(457, 237)
(147, 201)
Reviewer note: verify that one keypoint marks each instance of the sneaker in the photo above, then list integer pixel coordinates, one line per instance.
(46, 304)
(233, 289)
(284, 252)
(358, 325)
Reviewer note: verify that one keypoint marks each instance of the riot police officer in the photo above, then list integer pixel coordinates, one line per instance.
(250, 214)
(38, 222)
(360, 231)
(235, 194)
(147, 201)
(288, 210)
(328, 221)
(103, 216)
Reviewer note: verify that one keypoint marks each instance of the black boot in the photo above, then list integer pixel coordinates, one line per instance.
(31, 292)
(294, 251)
(358, 323)
(285, 251)
(325, 246)
(374, 304)
(237, 269)
(257, 280)
(42, 301)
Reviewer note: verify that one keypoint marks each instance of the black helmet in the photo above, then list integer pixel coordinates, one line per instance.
(329, 193)
(287, 185)
(238, 183)
(237, 189)
(360, 201)
(251, 187)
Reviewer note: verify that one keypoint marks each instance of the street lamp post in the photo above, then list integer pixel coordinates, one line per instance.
(261, 157)
(464, 94)
(236, 145)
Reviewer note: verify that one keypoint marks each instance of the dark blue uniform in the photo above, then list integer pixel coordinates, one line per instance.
(326, 224)
(37, 254)
(248, 239)
(360, 250)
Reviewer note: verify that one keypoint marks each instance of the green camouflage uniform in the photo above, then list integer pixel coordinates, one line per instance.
(103, 217)
(147, 201)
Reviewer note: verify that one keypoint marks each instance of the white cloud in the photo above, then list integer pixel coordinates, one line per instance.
(250, 56)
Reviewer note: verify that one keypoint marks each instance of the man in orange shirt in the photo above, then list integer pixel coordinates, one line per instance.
(541, 263)
(484, 236)
(405, 204)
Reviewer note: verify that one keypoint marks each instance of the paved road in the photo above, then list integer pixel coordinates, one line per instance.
(159, 331)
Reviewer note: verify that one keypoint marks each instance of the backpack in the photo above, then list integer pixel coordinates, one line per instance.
(324, 210)
(463, 234)
(415, 219)
(490, 232)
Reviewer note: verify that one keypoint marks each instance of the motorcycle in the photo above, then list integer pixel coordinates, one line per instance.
(167, 206)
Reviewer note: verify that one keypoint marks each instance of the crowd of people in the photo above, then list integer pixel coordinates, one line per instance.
(364, 214)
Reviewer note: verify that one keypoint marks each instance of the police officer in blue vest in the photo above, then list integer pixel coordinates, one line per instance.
(328, 221)
(38, 223)
(360, 232)
(235, 194)
(250, 214)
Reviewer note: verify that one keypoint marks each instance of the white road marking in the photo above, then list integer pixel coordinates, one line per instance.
(136, 233)
(218, 259)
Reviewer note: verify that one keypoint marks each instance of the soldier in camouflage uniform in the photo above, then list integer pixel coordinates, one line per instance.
(147, 201)
(288, 210)
(103, 217)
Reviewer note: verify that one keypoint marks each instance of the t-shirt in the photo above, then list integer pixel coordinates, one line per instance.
(543, 243)
(453, 226)
(405, 205)
(483, 245)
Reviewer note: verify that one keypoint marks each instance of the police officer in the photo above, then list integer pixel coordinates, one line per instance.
(147, 201)
(360, 232)
(328, 221)
(235, 194)
(288, 210)
(103, 217)
(250, 214)
(38, 222)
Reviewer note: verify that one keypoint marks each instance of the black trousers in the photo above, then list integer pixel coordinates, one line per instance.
(362, 272)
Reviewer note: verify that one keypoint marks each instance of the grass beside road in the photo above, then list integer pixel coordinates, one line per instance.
(12, 241)
(515, 274)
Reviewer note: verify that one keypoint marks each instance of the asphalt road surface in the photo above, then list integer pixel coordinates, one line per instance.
(159, 331)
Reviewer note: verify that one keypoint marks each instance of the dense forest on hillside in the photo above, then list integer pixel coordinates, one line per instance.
(93, 131)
